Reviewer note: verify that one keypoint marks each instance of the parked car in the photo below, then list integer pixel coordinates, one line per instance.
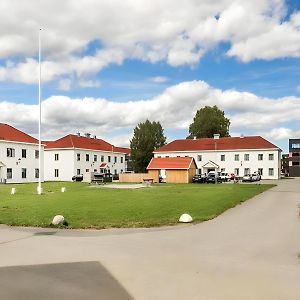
(251, 177)
(213, 178)
(77, 178)
(199, 178)
(224, 176)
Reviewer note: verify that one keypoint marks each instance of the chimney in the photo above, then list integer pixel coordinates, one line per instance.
(194, 138)
(216, 136)
(88, 135)
(94, 137)
(78, 133)
(242, 136)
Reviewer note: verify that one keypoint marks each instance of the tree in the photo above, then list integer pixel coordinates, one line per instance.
(209, 121)
(147, 137)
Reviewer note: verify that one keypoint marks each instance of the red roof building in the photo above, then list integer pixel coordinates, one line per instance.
(9, 133)
(237, 155)
(172, 169)
(72, 141)
(226, 143)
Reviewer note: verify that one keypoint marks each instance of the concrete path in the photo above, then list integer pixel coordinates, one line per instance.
(249, 252)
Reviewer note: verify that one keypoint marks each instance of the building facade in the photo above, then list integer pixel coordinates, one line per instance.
(77, 155)
(237, 155)
(19, 156)
(294, 157)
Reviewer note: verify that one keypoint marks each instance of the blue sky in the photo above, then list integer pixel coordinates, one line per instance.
(243, 57)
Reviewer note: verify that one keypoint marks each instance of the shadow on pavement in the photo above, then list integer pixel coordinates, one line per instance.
(80, 280)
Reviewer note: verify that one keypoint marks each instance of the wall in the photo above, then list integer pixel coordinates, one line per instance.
(138, 177)
(16, 163)
(177, 176)
(230, 164)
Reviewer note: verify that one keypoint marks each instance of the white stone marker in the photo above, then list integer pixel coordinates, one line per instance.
(185, 218)
(63, 189)
(58, 220)
(13, 191)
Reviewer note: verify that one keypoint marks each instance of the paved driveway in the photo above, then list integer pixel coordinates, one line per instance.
(249, 252)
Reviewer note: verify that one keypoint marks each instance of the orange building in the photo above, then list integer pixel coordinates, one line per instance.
(172, 169)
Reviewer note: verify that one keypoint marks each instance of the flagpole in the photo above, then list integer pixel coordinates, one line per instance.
(39, 189)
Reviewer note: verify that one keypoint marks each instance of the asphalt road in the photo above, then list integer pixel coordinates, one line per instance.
(249, 252)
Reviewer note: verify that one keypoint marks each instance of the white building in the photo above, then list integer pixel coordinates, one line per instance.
(237, 155)
(19, 156)
(76, 155)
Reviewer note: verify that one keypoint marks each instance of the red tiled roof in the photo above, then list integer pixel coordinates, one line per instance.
(226, 143)
(175, 163)
(122, 150)
(9, 133)
(81, 142)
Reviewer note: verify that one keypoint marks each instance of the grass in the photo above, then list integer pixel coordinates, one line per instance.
(85, 207)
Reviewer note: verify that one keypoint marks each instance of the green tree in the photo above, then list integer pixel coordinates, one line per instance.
(209, 121)
(147, 137)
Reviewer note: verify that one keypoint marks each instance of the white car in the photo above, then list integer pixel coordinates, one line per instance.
(224, 176)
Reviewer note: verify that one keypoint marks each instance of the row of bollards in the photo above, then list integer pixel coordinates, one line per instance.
(14, 191)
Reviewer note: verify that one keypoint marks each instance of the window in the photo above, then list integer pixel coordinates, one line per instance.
(78, 171)
(78, 156)
(10, 152)
(87, 157)
(236, 157)
(260, 156)
(23, 153)
(116, 159)
(295, 163)
(24, 171)
(246, 157)
(271, 172)
(95, 170)
(271, 156)
(237, 171)
(121, 159)
(87, 170)
(222, 157)
(260, 171)
(295, 146)
(95, 157)
(56, 156)
(116, 172)
(108, 158)
(56, 173)
(9, 173)
(222, 170)
(295, 154)
(102, 158)
(199, 157)
(36, 154)
(246, 171)
(37, 173)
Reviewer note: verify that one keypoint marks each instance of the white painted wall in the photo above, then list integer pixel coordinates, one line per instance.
(229, 165)
(67, 163)
(16, 163)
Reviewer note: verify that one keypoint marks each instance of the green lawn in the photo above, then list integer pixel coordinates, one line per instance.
(86, 207)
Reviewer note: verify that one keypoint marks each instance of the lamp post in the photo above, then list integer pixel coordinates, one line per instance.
(39, 188)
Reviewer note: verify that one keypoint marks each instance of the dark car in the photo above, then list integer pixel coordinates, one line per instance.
(199, 178)
(77, 178)
(211, 178)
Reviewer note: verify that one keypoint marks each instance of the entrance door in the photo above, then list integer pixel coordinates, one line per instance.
(162, 173)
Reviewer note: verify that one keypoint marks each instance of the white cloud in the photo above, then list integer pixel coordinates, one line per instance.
(89, 83)
(174, 108)
(65, 84)
(179, 33)
(159, 79)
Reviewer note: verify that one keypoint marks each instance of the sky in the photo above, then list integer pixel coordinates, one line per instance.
(108, 65)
